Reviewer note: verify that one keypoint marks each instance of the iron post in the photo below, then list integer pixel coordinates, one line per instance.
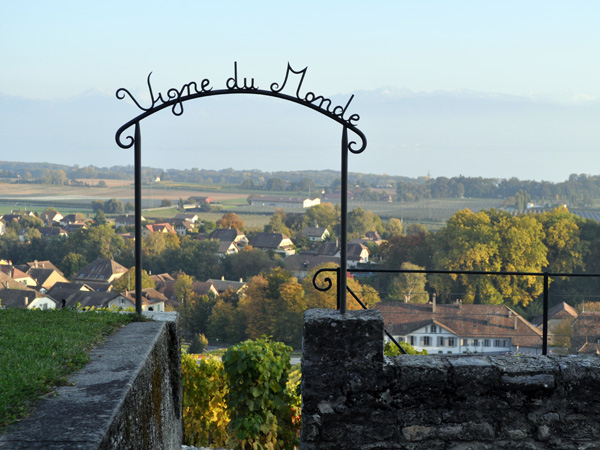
(138, 219)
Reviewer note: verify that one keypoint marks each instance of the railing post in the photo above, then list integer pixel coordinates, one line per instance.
(545, 318)
(342, 278)
(138, 219)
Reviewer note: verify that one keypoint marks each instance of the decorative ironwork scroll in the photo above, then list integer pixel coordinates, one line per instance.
(174, 99)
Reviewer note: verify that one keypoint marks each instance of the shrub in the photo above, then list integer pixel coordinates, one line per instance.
(204, 409)
(392, 349)
(199, 343)
(264, 410)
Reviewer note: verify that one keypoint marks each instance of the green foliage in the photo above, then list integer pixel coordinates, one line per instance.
(262, 408)
(205, 414)
(391, 349)
(409, 287)
(127, 281)
(198, 345)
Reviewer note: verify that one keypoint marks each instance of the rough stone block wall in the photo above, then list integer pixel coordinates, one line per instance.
(127, 397)
(354, 398)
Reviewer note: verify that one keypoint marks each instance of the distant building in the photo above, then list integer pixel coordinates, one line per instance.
(315, 234)
(277, 242)
(282, 201)
(461, 329)
(103, 271)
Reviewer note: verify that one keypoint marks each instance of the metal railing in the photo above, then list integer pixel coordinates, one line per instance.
(341, 306)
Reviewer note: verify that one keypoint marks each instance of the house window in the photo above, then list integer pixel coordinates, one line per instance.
(433, 329)
(400, 339)
(475, 342)
(464, 342)
(498, 343)
(486, 342)
(425, 341)
(412, 340)
(440, 341)
(451, 342)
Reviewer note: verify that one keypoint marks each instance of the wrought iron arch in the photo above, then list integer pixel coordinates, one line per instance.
(175, 98)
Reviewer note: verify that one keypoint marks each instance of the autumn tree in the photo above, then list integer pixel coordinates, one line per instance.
(328, 299)
(230, 220)
(273, 305)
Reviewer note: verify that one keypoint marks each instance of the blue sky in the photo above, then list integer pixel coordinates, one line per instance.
(62, 48)
(542, 49)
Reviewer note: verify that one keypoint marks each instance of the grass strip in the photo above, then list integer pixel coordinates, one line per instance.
(39, 349)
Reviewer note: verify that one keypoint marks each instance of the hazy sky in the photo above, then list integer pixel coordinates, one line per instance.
(543, 48)
(61, 48)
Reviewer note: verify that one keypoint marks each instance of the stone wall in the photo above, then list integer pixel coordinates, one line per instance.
(127, 397)
(355, 398)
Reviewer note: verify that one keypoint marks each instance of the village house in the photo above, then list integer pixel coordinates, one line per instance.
(356, 252)
(276, 242)
(301, 264)
(461, 328)
(46, 278)
(126, 220)
(182, 226)
(283, 201)
(158, 228)
(17, 275)
(152, 300)
(205, 288)
(224, 285)
(52, 232)
(585, 332)
(315, 234)
(190, 217)
(51, 218)
(229, 235)
(100, 273)
(71, 219)
(67, 297)
(25, 298)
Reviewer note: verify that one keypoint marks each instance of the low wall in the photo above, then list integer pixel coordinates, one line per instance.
(354, 398)
(127, 397)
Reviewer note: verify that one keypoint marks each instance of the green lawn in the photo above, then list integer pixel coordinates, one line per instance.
(39, 349)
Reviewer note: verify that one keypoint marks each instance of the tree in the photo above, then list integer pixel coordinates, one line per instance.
(126, 282)
(409, 287)
(227, 323)
(323, 215)
(100, 218)
(393, 228)
(275, 184)
(273, 305)
(114, 206)
(183, 289)
(328, 299)
(198, 345)
(72, 263)
(230, 220)
(247, 263)
(277, 223)
(129, 206)
(360, 221)
(97, 204)
(165, 202)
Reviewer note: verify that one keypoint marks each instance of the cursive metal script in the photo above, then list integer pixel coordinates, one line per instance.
(175, 97)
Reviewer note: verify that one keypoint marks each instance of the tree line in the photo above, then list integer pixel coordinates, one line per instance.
(578, 190)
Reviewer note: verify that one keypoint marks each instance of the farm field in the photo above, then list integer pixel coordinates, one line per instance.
(432, 213)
